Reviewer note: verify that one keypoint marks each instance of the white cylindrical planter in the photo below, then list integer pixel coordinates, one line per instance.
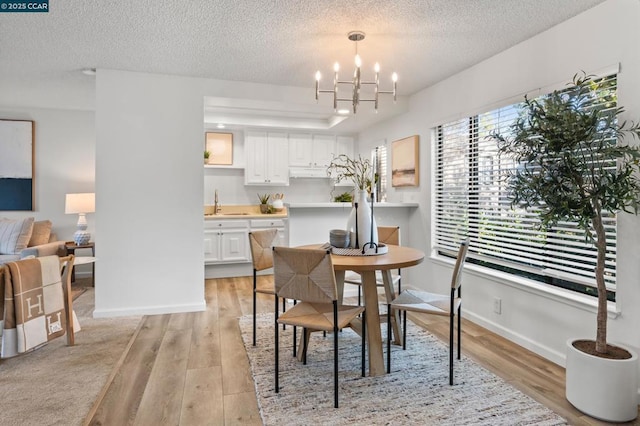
(363, 218)
(606, 389)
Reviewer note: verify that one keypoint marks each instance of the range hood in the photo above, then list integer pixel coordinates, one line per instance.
(308, 172)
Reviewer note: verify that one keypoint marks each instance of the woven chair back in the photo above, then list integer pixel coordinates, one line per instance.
(261, 243)
(456, 279)
(304, 274)
(389, 235)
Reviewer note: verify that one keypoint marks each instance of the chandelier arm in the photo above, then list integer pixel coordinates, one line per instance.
(375, 105)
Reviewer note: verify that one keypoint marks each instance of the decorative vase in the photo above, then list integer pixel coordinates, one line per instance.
(361, 219)
(606, 389)
(264, 208)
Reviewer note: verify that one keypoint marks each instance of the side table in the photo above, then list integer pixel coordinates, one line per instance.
(71, 248)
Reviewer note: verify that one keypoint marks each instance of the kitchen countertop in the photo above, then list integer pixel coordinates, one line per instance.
(242, 212)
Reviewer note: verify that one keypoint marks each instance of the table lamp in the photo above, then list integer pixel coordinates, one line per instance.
(81, 204)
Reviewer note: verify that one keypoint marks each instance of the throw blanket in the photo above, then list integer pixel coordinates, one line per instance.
(33, 311)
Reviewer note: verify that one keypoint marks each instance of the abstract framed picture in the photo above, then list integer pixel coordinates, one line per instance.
(16, 165)
(405, 162)
(220, 147)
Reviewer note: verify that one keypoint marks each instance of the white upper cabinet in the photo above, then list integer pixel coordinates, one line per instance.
(307, 150)
(300, 149)
(344, 145)
(323, 148)
(267, 156)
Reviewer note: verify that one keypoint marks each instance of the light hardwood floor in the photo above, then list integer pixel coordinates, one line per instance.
(191, 369)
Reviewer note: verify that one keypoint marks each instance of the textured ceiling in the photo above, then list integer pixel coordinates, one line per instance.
(280, 42)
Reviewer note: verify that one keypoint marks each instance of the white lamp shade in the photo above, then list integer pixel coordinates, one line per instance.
(80, 203)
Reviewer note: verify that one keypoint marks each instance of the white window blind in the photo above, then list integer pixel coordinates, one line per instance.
(381, 161)
(472, 201)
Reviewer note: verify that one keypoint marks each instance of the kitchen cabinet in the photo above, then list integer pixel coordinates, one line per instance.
(267, 159)
(344, 145)
(226, 241)
(307, 150)
(282, 239)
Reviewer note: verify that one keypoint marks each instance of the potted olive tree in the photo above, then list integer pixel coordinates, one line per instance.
(572, 166)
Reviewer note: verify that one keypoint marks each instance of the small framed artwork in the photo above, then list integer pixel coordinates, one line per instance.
(220, 147)
(16, 165)
(405, 162)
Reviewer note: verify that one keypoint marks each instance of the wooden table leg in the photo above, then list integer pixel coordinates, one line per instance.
(374, 336)
(390, 295)
(340, 285)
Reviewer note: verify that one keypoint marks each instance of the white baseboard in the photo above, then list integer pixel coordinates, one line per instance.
(544, 351)
(153, 310)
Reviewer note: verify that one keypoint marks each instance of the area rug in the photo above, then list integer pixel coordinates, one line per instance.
(416, 392)
(57, 384)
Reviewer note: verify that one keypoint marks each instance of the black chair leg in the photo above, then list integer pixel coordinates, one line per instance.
(459, 334)
(284, 309)
(304, 345)
(359, 295)
(277, 347)
(388, 338)
(295, 335)
(364, 338)
(254, 307)
(335, 354)
(451, 322)
(404, 330)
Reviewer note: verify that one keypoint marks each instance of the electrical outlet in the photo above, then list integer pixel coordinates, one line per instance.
(497, 305)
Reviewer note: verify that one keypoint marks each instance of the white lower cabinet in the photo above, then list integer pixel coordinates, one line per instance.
(282, 238)
(226, 241)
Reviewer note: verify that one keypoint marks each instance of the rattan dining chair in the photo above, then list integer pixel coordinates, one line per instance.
(307, 275)
(386, 235)
(435, 304)
(261, 243)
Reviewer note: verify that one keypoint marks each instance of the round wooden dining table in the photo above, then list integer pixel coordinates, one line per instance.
(366, 266)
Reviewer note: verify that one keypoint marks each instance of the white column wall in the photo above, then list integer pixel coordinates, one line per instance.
(149, 183)
(597, 39)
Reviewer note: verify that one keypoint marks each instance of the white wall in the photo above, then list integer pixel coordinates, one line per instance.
(64, 163)
(599, 38)
(149, 178)
(150, 186)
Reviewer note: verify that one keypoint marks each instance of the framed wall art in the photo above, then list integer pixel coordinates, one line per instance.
(16, 165)
(405, 162)
(220, 147)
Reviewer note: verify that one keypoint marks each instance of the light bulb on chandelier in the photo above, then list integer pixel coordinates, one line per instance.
(357, 83)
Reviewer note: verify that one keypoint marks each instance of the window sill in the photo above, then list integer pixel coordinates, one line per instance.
(570, 298)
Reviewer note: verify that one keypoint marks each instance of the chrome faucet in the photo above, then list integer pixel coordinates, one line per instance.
(216, 206)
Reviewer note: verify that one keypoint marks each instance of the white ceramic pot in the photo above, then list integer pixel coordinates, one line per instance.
(606, 389)
(362, 216)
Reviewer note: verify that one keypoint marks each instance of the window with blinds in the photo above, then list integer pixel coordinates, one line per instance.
(380, 152)
(472, 201)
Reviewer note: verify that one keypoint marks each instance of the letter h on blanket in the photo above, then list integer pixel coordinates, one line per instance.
(36, 305)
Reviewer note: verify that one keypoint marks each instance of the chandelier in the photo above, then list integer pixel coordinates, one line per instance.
(356, 83)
